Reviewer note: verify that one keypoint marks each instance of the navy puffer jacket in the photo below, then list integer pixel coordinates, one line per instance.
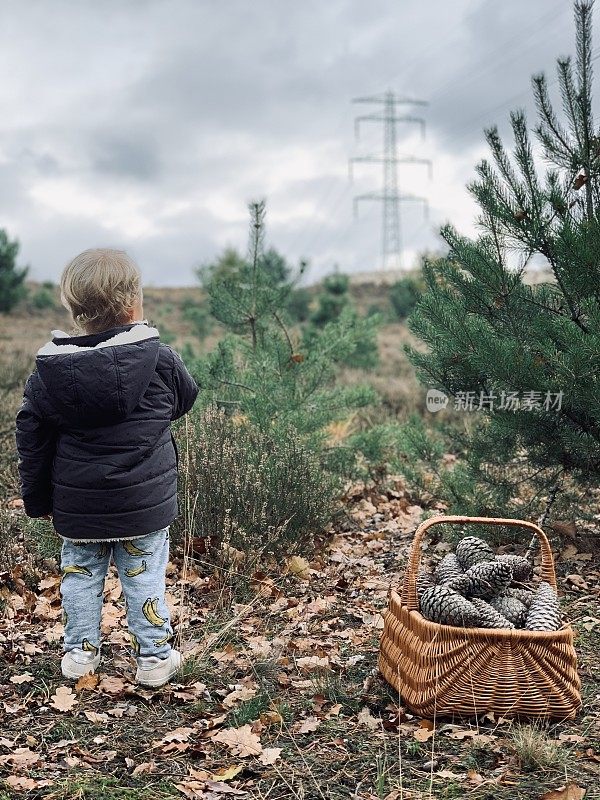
(93, 433)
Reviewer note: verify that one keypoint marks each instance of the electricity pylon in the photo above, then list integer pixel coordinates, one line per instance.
(389, 196)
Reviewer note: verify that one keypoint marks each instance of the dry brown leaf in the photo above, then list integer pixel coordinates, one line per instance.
(571, 737)
(20, 783)
(241, 741)
(63, 699)
(20, 756)
(475, 778)
(422, 734)
(309, 725)
(310, 663)
(111, 684)
(270, 755)
(178, 735)
(238, 695)
(569, 792)
(226, 773)
(271, 718)
(447, 773)
(299, 567)
(144, 768)
(568, 529)
(24, 678)
(365, 718)
(88, 681)
(94, 716)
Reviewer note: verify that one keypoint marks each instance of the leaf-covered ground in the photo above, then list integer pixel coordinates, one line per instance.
(280, 695)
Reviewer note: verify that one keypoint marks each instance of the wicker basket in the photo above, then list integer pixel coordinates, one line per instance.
(441, 669)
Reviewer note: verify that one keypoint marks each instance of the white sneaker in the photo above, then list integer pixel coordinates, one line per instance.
(78, 662)
(153, 671)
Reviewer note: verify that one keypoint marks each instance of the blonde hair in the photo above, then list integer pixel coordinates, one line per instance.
(98, 287)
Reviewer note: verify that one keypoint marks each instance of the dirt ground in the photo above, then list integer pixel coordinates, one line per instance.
(280, 696)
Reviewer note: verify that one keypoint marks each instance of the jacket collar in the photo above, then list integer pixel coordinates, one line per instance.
(124, 334)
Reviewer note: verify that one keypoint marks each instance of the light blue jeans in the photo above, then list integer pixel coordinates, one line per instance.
(141, 564)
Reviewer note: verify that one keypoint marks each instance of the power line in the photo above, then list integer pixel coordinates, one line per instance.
(390, 197)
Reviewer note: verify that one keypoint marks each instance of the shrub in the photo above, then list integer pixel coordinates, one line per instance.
(404, 295)
(199, 318)
(262, 494)
(43, 299)
(298, 304)
(332, 300)
(12, 286)
(279, 379)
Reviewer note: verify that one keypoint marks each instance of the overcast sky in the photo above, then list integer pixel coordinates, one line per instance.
(150, 124)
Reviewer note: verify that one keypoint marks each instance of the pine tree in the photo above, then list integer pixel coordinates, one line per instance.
(488, 331)
(265, 371)
(12, 280)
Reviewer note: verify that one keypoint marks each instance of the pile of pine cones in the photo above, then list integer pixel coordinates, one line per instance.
(475, 588)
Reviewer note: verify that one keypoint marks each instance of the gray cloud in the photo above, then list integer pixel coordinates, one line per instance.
(150, 125)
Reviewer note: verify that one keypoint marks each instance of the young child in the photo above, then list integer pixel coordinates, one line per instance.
(96, 455)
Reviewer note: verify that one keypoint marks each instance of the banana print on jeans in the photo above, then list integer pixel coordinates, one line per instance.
(141, 564)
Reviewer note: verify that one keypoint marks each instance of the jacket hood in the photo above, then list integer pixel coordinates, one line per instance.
(98, 379)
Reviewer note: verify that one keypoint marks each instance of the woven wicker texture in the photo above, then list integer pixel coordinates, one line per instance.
(440, 670)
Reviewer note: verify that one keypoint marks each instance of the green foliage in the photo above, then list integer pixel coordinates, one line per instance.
(278, 378)
(489, 332)
(261, 493)
(228, 267)
(332, 300)
(12, 280)
(166, 335)
(405, 293)
(199, 318)
(298, 304)
(43, 299)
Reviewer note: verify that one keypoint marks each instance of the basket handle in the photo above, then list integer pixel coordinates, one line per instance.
(409, 589)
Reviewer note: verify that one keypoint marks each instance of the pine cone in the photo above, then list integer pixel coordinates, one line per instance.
(448, 569)
(489, 617)
(471, 550)
(514, 610)
(443, 605)
(521, 568)
(424, 581)
(525, 596)
(544, 612)
(484, 580)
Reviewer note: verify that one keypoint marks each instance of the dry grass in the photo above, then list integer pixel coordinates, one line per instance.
(535, 749)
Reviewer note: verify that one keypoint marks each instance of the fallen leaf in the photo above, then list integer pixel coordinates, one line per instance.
(299, 567)
(475, 778)
(227, 773)
(63, 699)
(88, 681)
(309, 725)
(447, 773)
(238, 695)
(569, 792)
(270, 755)
(24, 678)
(241, 741)
(111, 684)
(571, 737)
(310, 663)
(20, 756)
(178, 735)
(422, 734)
(365, 718)
(144, 768)
(94, 716)
(20, 782)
